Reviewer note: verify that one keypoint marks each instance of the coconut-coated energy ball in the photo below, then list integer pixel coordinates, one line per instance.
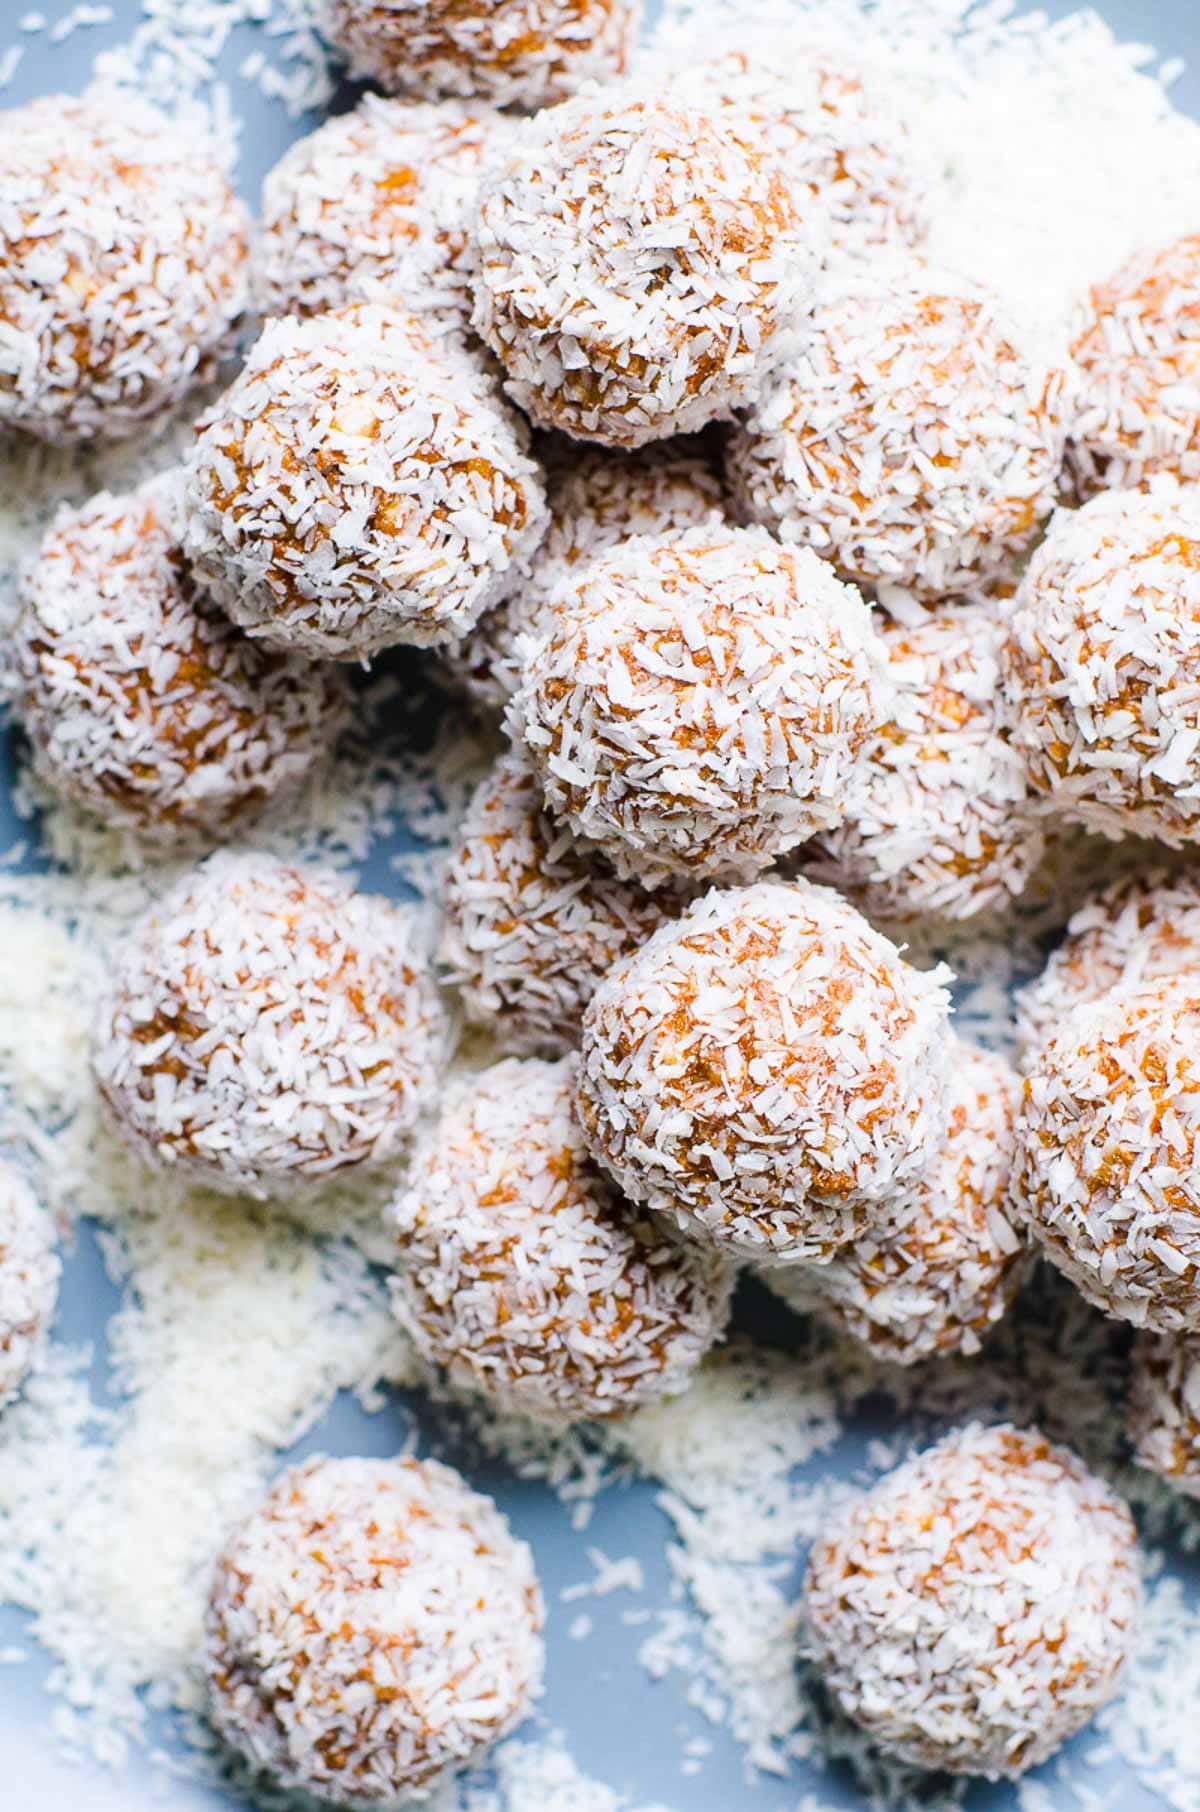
(377, 205)
(977, 1607)
(29, 1274)
(530, 922)
(141, 702)
(912, 440)
(1164, 1408)
(696, 703)
(123, 255)
(372, 1627)
(525, 1276)
(641, 267)
(1101, 666)
(767, 1071)
(1107, 1171)
(268, 1026)
(360, 485)
(513, 53)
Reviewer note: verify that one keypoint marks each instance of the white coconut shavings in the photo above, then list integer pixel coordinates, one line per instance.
(29, 1273)
(1164, 1411)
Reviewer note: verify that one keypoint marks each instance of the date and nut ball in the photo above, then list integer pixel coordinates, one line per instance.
(913, 440)
(267, 1026)
(1164, 1408)
(123, 253)
(1101, 667)
(766, 1071)
(525, 1276)
(141, 702)
(513, 53)
(978, 1606)
(360, 485)
(696, 703)
(641, 267)
(372, 1627)
(29, 1275)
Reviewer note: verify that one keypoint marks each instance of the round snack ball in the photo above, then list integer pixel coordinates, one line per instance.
(122, 265)
(912, 441)
(360, 485)
(1101, 667)
(1136, 350)
(29, 1274)
(1107, 1171)
(377, 205)
(1164, 1408)
(596, 499)
(767, 1070)
(939, 820)
(531, 923)
(266, 1025)
(514, 53)
(372, 1627)
(524, 1274)
(977, 1607)
(641, 267)
(696, 702)
(141, 702)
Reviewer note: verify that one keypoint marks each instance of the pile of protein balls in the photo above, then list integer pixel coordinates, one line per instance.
(798, 576)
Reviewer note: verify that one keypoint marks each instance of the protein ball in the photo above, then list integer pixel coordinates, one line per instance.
(530, 922)
(524, 1274)
(696, 703)
(913, 440)
(514, 53)
(372, 1627)
(360, 485)
(1101, 668)
(267, 1025)
(377, 204)
(641, 267)
(29, 1274)
(1164, 1408)
(766, 1070)
(122, 265)
(977, 1607)
(141, 702)
(1107, 1162)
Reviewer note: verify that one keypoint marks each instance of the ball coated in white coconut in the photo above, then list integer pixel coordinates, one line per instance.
(29, 1276)
(1164, 1408)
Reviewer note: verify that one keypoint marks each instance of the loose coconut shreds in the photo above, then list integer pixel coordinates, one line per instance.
(912, 440)
(1101, 664)
(696, 702)
(641, 267)
(1164, 1409)
(122, 265)
(514, 53)
(358, 486)
(267, 1026)
(523, 1273)
(29, 1273)
(767, 1071)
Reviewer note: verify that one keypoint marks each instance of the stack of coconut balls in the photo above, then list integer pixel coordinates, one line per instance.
(812, 594)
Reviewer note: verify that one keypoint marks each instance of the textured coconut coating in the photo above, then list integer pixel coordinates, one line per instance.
(372, 1627)
(940, 821)
(696, 703)
(524, 1274)
(141, 702)
(122, 265)
(641, 267)
(377, 204)
(1142, 928)
(768, 1071)
(531, 922)
(596, 499)
(977, 1607)
(513, 53)
(360, 485)
(1136, 349)
(1164, 1408)
(912, 440)
(1101, 667)
(29, 1274)
(1107, 1172)
(266, 1025)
